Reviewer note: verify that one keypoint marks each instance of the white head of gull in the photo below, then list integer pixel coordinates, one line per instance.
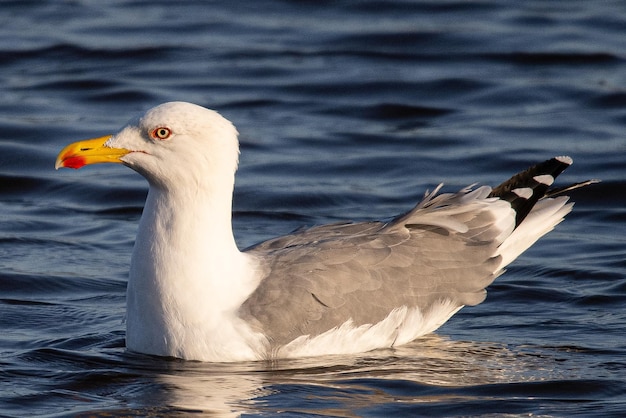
(340, 288)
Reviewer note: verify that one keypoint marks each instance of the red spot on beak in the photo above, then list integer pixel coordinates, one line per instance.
(74, 162)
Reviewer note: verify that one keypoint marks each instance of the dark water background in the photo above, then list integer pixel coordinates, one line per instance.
(347, 110)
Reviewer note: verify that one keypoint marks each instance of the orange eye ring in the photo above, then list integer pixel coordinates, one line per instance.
(161, 133)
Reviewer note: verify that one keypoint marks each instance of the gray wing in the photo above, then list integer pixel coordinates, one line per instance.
(319, 278)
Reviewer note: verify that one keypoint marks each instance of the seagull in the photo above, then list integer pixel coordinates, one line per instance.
(342, 288)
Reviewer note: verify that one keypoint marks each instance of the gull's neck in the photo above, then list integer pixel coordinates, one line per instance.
(185, 236)
(195, 225)
(187, 274)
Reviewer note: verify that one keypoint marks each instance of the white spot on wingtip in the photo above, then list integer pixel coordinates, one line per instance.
(523, 192)
(565, 159)
(546, 179)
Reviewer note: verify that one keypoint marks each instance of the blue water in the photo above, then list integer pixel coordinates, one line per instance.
(347, 110)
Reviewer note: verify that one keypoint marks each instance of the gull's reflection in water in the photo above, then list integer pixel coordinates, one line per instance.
(349, 383)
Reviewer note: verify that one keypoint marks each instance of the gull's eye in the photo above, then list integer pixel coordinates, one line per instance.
(161, 133)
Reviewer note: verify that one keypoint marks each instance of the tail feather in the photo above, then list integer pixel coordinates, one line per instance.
(544, 216)
(560, 190)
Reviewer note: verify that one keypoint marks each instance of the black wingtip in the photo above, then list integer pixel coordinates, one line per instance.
(524, 189)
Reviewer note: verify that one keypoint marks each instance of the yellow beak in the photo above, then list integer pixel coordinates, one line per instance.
(90, 151)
